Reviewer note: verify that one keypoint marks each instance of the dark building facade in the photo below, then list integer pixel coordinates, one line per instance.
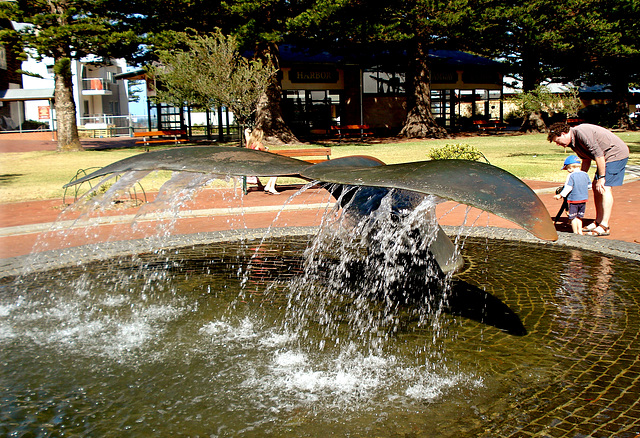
(321, 90)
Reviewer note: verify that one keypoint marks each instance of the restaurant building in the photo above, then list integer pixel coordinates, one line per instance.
(322, 90)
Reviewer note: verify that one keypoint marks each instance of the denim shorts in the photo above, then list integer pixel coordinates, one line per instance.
(614, 173)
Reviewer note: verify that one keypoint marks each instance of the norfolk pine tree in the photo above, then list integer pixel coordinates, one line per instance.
(259, 26)
(67, 30)
(412, 26)
(578, 41)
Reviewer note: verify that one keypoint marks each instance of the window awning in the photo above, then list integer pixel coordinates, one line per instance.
(139, 74)
(20, 94)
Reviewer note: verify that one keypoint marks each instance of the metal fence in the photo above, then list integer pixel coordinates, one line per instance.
(198, 125)
(104, 125)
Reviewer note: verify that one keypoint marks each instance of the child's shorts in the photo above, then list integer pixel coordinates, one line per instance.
(577, 210)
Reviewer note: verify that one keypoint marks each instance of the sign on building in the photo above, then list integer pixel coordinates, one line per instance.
(44, 112)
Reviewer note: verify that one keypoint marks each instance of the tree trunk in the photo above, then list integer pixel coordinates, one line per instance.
(269, 116)
(620, 88)
(533, 122)
(65, 107)
(420, 122)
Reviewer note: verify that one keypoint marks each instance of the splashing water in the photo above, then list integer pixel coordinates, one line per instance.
(175, 193)
(250, 339)
(364, 276)
(161, 345)
(172, 333)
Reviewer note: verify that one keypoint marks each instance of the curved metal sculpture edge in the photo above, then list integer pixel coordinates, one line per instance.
(480, 185)
(473, 183)
(206, 159)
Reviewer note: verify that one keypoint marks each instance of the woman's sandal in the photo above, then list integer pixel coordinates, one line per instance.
(599, 231)
(592, 226)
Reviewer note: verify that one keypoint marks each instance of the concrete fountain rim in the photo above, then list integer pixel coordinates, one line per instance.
(76, 256)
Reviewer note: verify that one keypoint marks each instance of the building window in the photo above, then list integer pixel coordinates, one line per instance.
(307, 110)
(380, 82)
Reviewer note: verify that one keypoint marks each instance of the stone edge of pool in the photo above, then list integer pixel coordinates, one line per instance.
(75, 256)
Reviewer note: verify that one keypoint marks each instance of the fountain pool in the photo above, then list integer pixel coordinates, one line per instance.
(204, 341)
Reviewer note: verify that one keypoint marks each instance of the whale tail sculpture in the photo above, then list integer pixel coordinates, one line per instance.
(472, 183)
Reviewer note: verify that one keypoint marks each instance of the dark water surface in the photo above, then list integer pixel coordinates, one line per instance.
(206, 341)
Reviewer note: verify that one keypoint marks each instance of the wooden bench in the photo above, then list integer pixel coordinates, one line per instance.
(315, 152)
(345, 131)
(574, 121)
(325, 153)
(489, 125)
(163, 136)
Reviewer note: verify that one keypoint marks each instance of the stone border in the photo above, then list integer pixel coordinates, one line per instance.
(72, 257)
(76, 256)
(615, 248)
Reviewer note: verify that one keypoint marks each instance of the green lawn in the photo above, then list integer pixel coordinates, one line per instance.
(41, 175)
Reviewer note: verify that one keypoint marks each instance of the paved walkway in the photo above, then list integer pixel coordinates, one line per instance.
(43, 225)
(31, 226)
(45, 141)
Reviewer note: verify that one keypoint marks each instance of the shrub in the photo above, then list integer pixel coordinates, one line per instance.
(29, 125)
(456, 151)
(514, 119)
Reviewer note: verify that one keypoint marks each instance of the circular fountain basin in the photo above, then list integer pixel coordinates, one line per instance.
(202, 341)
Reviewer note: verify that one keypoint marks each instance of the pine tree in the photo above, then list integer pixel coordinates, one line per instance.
(66, 30)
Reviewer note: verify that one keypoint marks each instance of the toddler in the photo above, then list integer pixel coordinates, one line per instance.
(576, 191)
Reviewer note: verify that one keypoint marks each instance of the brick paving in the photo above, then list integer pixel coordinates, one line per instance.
(21, 224)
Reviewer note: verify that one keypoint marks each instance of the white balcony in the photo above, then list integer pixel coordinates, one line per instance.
(96, 87)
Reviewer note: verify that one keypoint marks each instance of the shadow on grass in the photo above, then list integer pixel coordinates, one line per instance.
(7, 178)
(634, 147)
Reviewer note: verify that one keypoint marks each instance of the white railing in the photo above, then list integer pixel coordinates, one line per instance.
(95, 84)
(112, 126)
(106, 125)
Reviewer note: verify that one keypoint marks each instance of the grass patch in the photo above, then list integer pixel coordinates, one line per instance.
(41, 175)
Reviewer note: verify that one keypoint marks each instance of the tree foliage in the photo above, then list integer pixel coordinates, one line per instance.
(207, 71)
(258, 26)
(579, 41)
(531, 105)
(412, 27)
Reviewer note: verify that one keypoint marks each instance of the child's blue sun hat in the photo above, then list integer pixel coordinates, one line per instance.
(571, 159)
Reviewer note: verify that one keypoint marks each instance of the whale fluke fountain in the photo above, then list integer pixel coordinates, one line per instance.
(476, 184)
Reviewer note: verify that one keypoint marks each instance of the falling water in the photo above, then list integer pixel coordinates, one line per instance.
(107, 210)
(366, 277)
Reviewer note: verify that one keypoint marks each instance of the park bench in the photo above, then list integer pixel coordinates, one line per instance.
(489, 125)
(345, 131)
(324, 153)
(574, 121)
(162, 136)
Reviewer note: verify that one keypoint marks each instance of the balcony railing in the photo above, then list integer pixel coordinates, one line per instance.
(96, 86)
